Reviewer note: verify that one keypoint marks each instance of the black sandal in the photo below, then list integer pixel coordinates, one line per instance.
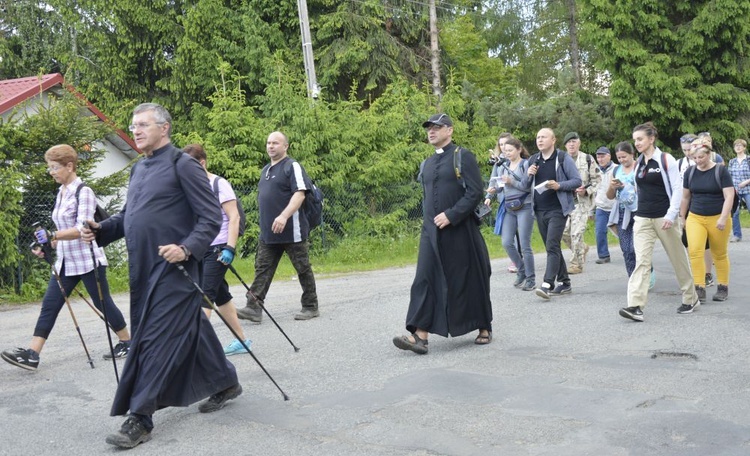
(419, 346)
(483, 340)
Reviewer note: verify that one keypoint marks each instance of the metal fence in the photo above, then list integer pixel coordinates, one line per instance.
(348, 212)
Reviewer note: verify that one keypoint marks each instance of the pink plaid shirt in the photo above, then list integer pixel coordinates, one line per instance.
(68, 214)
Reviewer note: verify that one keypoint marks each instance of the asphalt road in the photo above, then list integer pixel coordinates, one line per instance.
(561, 377)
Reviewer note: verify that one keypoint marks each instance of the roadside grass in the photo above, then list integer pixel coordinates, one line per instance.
(355, 255)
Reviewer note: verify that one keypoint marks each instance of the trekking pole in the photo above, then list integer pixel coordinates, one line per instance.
(234, 333)
(104, 307)
(260, 303)
(48, 257)
(83, 296)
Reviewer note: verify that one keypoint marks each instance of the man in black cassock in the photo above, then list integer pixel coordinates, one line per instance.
(451, 290)
(171, 216)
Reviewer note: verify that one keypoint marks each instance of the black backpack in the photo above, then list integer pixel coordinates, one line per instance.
(717, 175)
(313, 205)
(99, 213)
(243, 218)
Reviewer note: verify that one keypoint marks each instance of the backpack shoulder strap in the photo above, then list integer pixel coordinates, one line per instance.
(215, 185)
(458, 164)
(421, 171)
(690, 172)
(614, 171)
(665, 167)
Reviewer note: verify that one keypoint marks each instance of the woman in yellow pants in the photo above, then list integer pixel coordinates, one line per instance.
(708, 194)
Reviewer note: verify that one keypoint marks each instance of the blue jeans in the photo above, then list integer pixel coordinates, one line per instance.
(551, 226)
(736, 228)
(522, 221)
(602, 248)
(626, 243)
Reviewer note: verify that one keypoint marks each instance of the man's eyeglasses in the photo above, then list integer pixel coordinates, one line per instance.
(268, 173)
(434, 127)
(143, 125)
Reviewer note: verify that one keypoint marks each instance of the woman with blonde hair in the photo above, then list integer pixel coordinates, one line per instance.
(707, 198)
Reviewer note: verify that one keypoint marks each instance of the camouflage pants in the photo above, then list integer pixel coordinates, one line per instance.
(573, 235)
(267, 260)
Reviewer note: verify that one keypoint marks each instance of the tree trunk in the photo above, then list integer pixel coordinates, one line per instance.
(575, 56)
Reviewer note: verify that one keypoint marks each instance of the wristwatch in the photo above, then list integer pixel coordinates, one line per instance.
(185, 251)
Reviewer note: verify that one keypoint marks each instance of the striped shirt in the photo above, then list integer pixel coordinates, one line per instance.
(68, 214)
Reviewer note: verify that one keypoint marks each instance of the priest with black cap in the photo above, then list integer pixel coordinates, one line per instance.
(450, 295)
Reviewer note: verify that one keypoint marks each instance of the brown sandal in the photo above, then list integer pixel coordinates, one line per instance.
(483, 339)
(419, 346)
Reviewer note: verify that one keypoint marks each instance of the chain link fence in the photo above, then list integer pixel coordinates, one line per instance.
(348, 212)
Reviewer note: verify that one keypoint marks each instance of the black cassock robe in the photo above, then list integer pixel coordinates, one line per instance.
(451, 290)
(175, 358)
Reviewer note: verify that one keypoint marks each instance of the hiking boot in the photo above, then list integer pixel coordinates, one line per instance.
(633, 313)
(603, 260)
(561, 289)
(307, 313)
(131, 433)
(575, 269)
(709, 280)
(236, 348)
(543, 291)
(520, 278)
(25, 358)
(687, 308)
(218, 401)
(701, 292)
(529, 285)
(121, 350)
(722, 293)
(252, 311)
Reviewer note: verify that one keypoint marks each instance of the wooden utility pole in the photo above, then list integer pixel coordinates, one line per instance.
(313, 91)
(435, 50)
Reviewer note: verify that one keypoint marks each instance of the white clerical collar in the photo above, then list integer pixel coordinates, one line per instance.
(439, 151)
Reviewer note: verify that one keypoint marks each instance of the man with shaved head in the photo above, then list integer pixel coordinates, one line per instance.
(553, 177)
(284, 227)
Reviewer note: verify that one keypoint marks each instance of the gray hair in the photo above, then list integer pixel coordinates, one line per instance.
(160, 113)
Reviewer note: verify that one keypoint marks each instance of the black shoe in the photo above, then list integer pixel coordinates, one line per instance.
(218, 400)
(709, 280)
(25, 358)
(561, 289)
(633, 313)
(130, 434)
(603, 260)
(543, 291)
(687, 308)
(520, 278)
(121, 350)
(306, 314)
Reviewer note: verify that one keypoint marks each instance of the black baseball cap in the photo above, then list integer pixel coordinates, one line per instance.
(442, 120)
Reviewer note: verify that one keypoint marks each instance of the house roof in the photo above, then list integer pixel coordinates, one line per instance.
(15, 91)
